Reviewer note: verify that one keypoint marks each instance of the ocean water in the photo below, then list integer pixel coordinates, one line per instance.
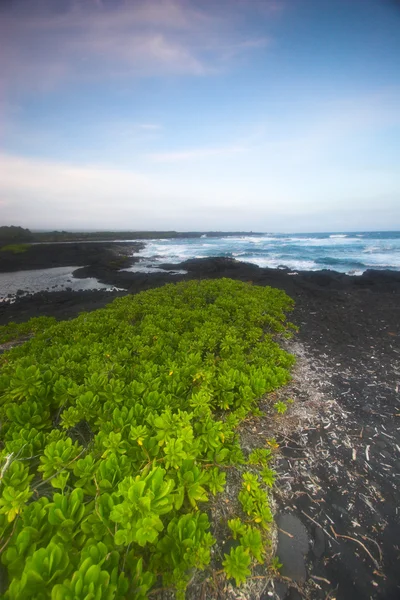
(350, 253)
(38, 280)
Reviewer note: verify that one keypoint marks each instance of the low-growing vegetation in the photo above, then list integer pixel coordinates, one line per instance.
(15, 248)
(118, 427)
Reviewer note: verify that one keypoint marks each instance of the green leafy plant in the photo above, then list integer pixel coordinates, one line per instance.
(254, 500)
(275, 566)
(237, 563)
(42, 570)
(268, 476)
(186, 545)
(260, 456)
(145, 499)
(117, 427)
(237, 527)
(191, 481)
(97, 577)
(280, 407)
(252, 541)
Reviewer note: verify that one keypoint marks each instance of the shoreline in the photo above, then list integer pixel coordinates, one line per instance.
(109, 255)
(338, 475)
(324, 284)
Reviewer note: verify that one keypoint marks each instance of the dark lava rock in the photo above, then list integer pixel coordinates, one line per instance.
(110, 255)
(277, 591)
(319, 542)
(292, 548)
(293, 595)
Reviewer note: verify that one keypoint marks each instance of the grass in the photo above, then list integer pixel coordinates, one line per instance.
(15, 248)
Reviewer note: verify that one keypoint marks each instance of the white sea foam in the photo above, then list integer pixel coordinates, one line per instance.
(347, 253)
(371, 249)
(273, 263)
(340, 252)
(381, 261)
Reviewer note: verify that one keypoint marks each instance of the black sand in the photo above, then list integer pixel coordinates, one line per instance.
(349, 484)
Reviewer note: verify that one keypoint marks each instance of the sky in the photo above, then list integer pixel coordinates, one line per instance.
(256, 115)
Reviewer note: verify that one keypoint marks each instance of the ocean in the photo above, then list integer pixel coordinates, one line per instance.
(351, 253)
(55, 279)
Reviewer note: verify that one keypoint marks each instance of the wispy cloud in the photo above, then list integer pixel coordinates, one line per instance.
(149, 126)
(53, 192)
(45, 44)
(42, 193)
(195, 154)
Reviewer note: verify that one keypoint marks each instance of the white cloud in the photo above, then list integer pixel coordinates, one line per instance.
(42, 47)
(149, 126)
(196, 154)
(39, 193)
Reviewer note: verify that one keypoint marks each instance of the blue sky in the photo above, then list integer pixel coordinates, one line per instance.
(262, 115)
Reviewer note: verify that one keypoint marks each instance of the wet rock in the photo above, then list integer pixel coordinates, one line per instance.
(319, 542)
(281, 589)
(340, 509)
(292, 548)
(276, 591)
(293, 595)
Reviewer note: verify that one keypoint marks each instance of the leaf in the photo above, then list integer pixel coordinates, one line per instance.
(236, 564)
(237, 527)
(268, 476)
(252, 541)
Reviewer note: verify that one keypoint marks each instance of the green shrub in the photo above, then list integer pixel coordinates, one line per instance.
(15, 331)
(15, 248)
(125, 419)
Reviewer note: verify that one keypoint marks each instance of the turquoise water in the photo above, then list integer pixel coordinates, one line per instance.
(350, 253)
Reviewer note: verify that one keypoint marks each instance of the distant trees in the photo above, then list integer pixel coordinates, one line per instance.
(12, 234)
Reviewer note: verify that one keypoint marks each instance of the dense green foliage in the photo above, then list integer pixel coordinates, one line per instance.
(116, 427)
(16, 331)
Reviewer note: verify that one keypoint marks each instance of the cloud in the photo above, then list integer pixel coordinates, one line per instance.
(45, 44)
(195, 154)
(48, 194)
(40, 193)
(149, 126)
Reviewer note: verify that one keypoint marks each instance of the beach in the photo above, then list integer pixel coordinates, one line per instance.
(339, 459)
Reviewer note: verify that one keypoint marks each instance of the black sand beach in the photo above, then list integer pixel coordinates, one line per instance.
(340, 450)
